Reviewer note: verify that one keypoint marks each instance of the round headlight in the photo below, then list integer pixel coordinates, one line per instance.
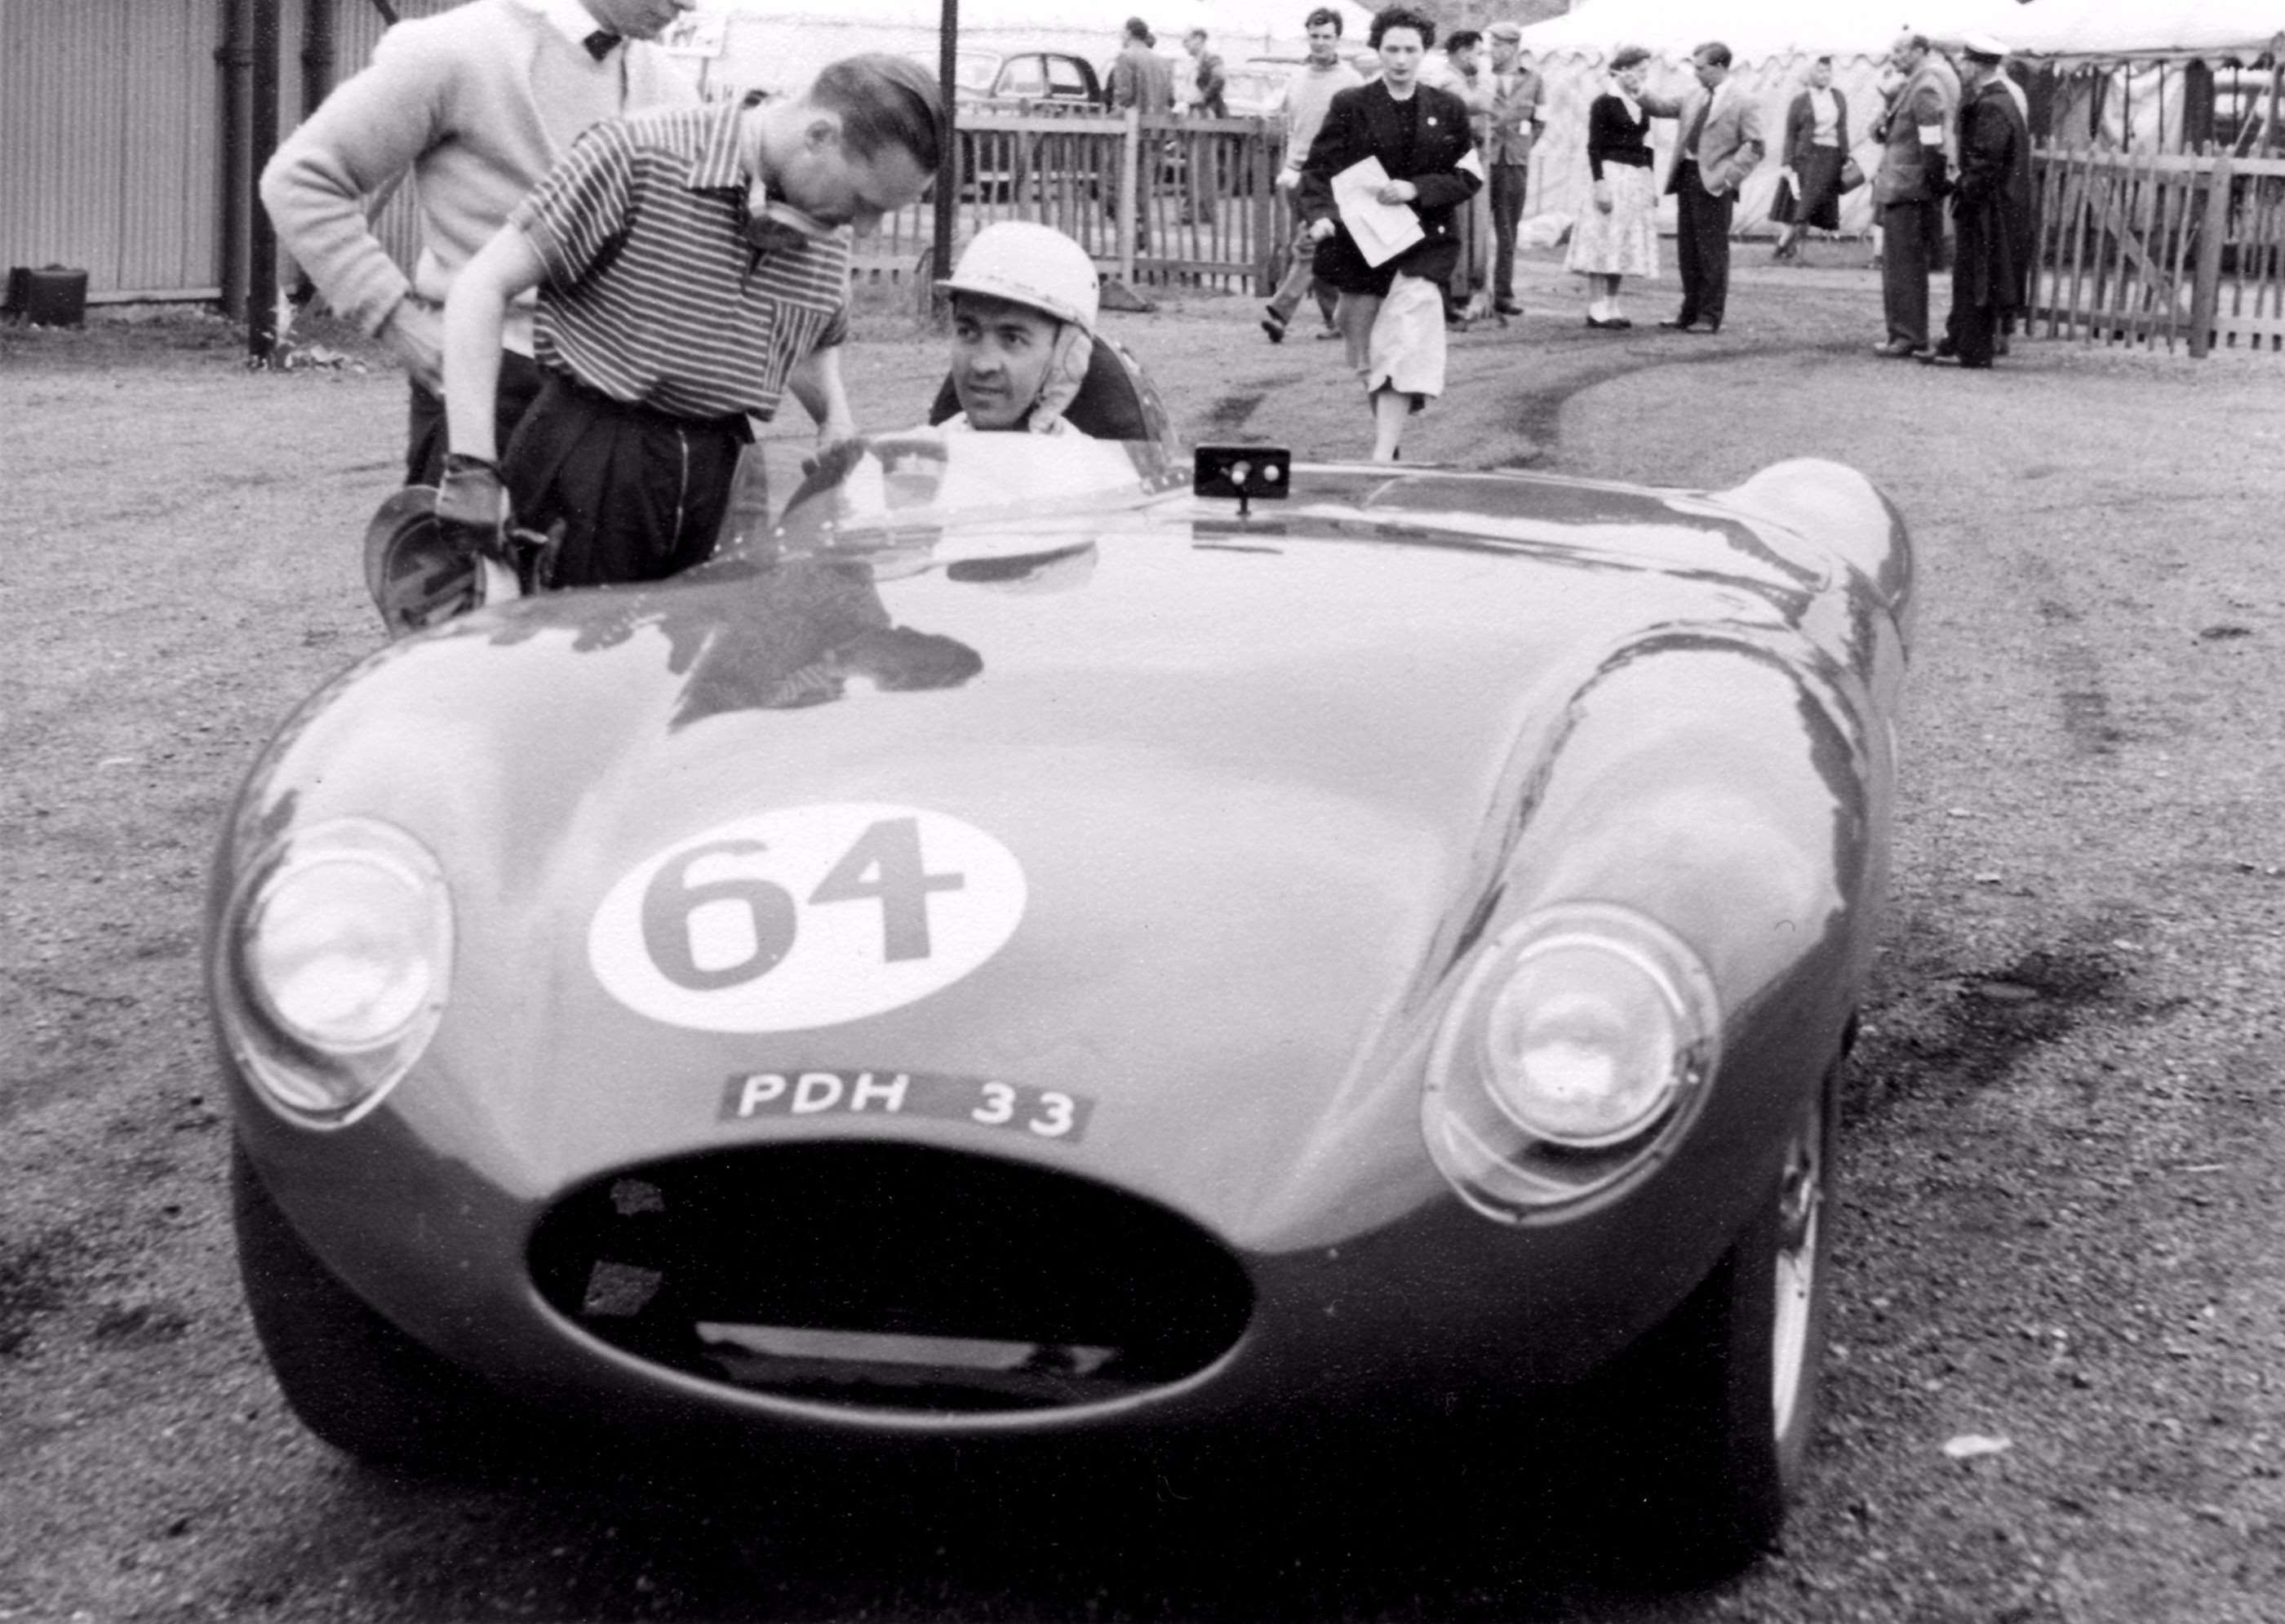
(341, 944)
(340, 950)
(1579, 1041)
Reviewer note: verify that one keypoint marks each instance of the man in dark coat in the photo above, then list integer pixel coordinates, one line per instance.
(1990, 211)
(1392, 313)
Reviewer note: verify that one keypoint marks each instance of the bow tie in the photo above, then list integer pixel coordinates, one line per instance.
(600, 42)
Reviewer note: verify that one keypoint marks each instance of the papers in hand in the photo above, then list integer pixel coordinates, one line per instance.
(1381, 230)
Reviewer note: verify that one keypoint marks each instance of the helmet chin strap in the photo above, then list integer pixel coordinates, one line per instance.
(1067, 371)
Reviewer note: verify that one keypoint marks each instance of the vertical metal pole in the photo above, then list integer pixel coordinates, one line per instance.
(231, 58)
(262, 238)
(947, 161)
(316, 53)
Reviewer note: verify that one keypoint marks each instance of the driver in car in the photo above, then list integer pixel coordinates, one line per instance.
(1024, 303)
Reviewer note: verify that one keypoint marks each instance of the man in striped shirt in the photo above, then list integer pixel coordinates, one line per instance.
(686, 263)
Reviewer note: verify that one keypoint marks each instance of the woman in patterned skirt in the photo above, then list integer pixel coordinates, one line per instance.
(1617, 237)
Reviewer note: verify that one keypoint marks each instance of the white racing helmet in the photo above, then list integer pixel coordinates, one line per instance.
(1029, 265)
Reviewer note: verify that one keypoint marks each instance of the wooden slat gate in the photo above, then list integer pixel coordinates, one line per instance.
(1162, 200)
(2145, 248)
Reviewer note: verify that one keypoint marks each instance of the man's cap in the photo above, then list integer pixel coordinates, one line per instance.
(1982, 48)
(1503, 31)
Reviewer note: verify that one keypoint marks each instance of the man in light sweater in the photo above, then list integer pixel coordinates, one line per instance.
(476, 104)
(1308, 94)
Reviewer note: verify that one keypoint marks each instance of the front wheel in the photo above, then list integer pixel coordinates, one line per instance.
(1710, 1417)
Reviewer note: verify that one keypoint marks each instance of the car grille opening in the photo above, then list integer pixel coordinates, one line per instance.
(892, 1276)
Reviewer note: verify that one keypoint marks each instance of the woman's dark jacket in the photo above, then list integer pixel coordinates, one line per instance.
(1422, 140)
(1800, 130)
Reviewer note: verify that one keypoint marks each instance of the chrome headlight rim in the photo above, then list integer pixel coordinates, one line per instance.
(310, 1078)
(1498, 1160)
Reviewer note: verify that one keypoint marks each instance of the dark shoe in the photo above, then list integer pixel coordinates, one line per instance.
(1678, 323)
(1896, 350)
(1274, 328)
(1614, 324)
(2000, 345)
(1327, 332)
(1506, 307)
(1933, 359)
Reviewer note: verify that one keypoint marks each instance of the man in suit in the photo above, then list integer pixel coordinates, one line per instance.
(1392, 313)
(1908, 192)
(1722, 143)
(1512, 127)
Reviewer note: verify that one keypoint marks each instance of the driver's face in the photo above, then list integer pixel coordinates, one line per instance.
(999, 355)
(1324, 44)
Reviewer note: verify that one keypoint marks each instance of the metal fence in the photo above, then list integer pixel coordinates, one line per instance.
(1159, 200)
(2152, 248)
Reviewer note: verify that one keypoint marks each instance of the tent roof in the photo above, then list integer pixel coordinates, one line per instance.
(1756, 29)
(2146, 29)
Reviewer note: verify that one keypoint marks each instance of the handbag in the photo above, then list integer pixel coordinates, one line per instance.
(1785, 208)
(1852, 174)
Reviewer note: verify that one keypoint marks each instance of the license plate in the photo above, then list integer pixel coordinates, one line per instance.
(1040, 1113)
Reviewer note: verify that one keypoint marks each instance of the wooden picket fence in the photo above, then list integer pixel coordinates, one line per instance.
(2152, 248)
(1156, 200)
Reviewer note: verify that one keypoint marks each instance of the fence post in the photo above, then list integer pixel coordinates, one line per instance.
(1130, 145)
(2205, 292)
(1269, 210)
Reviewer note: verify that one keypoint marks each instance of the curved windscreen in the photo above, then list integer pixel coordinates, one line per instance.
(893, 494)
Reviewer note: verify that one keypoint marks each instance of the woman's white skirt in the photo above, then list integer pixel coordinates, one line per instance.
(1624, 242)
(1396, 342)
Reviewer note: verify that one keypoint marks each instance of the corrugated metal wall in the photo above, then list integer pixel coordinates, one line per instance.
(108, 141)
(111, 136)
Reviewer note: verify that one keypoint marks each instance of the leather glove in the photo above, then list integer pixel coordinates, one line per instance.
(472, 506)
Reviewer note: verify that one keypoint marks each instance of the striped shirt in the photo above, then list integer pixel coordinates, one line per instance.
(652, 294)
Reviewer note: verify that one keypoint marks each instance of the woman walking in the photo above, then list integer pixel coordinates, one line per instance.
(1391, 314)
(1618, 236)
(1816, 146)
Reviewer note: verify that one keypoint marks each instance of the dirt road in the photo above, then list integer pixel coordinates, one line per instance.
(2065, 1168)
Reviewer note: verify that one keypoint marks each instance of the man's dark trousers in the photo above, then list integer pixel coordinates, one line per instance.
(1508, 182)
(1701, 249)
(1906, 231)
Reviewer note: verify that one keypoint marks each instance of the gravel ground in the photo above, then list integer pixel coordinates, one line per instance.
(2063, 1178)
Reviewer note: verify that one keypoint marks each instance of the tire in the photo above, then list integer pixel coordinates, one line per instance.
(353, 1378)
(1709, 1418)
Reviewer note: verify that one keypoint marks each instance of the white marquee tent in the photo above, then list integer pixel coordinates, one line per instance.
(2149, 30)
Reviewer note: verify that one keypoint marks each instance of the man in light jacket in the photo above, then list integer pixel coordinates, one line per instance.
(1511, 128)
(476, 104)
(1722, 143)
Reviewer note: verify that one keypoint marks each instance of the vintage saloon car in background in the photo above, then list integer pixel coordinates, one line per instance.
(1036, 957)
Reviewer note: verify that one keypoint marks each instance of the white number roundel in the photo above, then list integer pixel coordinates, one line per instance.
(806, 916)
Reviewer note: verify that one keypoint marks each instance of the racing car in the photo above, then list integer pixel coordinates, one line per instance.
(1035, 950)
